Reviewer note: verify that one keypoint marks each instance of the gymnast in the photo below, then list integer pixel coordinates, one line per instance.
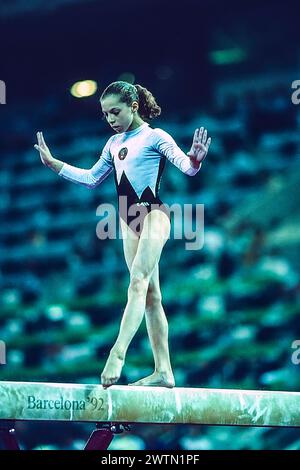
(136, 153)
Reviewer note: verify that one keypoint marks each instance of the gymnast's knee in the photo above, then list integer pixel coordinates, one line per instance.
(154, 298)
(139, 282)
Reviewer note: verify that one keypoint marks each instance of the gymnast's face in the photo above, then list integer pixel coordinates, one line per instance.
(118, 114)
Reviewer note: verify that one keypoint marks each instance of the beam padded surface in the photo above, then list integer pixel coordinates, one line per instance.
(78, 402)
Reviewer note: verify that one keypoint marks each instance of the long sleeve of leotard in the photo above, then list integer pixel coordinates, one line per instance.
(93, 176)
(166, 145)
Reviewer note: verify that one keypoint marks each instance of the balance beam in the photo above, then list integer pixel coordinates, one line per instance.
(128, 404)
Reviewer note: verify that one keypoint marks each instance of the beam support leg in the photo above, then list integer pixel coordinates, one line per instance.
(104, 433)
(8, 435)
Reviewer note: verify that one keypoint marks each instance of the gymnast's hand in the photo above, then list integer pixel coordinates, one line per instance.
(45, 153)
(199, 147)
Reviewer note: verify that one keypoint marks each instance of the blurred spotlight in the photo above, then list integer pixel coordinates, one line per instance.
(54, 312)
(84, 88)
(127, 77)
(164, 72)
(15, 357)
(228, 56)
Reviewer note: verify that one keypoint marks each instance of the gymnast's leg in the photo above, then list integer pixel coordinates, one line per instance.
(156, 321)
(154, 235)
(157, 327)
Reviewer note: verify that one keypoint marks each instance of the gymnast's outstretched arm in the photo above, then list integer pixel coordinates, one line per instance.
(90, 178)
(190, 162)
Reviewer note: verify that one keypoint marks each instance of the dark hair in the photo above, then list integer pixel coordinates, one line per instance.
(148, 108)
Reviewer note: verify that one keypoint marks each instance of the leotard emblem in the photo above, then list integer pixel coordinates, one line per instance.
(122, 153)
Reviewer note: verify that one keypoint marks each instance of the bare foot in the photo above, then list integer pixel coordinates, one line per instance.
(112, 370)
(157, 379)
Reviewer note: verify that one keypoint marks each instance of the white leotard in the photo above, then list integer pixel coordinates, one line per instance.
(137, 158)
